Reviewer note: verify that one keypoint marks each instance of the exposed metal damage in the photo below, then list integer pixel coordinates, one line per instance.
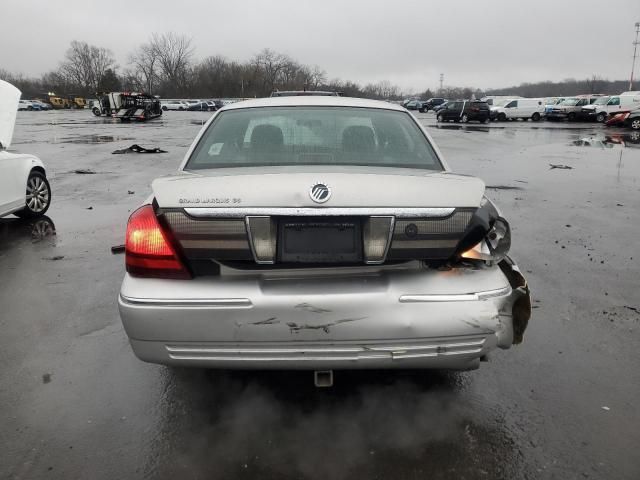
(521, 306)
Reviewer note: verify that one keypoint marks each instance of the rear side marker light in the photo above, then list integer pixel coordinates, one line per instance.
(148, 252)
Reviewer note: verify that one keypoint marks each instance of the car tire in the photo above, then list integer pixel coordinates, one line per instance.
(440, 118)
(464, 118)
(635, 124)
(96, 111)
(502, 117)
(164, 107)
(181, 108)
(571, 117)
(601, 117)
(535, 117)
(38, 196)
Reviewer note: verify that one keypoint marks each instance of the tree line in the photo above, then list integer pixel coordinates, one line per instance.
(165, 65)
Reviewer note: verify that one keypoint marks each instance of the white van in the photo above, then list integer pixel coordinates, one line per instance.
(494, 100)
(600, 110)
(524, 108)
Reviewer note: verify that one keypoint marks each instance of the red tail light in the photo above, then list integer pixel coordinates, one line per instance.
(148, 253)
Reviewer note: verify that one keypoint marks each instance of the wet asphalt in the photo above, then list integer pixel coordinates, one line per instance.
(75, 403)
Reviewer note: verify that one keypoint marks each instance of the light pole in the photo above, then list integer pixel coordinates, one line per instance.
(635, 49)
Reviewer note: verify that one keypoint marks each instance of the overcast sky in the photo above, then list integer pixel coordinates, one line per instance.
(480, 43)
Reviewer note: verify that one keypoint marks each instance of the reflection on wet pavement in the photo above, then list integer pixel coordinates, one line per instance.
(626, 139)
(15, 230)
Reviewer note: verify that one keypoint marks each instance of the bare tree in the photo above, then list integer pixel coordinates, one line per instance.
(318, 77)
(595, 84)
(85, 65)
(173, 54)
(145, 67)
(268, 65)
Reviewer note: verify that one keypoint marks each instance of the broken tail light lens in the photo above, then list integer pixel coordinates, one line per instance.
(148, 252)
(494, 246)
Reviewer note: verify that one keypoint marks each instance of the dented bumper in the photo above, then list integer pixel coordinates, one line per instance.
(389, 318)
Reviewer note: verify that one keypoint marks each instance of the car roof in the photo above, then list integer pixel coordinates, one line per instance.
(313, 101)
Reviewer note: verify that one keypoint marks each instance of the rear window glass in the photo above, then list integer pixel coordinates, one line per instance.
(313, 136)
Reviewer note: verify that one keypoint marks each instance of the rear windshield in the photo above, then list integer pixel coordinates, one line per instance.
(313, 136)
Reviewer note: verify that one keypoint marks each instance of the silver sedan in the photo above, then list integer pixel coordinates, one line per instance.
(319, 233)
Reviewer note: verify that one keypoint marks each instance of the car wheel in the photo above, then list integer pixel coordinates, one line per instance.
(96, 111)
(180, 108)
(440, 118)
(164, 107)
(571, 117)
(38, 196)
(535, 117)
(601, 117)
(635, 124)
(464, 118)
(502, 117)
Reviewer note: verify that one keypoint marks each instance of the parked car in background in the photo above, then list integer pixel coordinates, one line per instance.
(212, 105)
(464, 111)
(26, 105)
(551, 102)
(406, 101)
(629, 119)
(432, 103)
(414, 105)
(24, 188)
(279, 245)
(437, 108)
(175, 105)
(42, 105)
(570, 108)
(493, 100)
(199, 106)
(523, 108)
(598, 111)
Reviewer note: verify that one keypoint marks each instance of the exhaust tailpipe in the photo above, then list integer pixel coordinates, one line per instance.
(323, 378)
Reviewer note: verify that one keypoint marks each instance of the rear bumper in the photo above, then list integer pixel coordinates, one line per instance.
(385, 319)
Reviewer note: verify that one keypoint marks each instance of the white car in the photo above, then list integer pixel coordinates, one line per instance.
(24, 188)
(175, 105)
(25, 105)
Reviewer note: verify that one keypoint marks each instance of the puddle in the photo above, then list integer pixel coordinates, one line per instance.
(609, 140)
(91, 139)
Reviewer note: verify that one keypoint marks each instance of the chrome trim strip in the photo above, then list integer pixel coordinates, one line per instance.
(235, 212)
(189, 302)
(455, 297)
